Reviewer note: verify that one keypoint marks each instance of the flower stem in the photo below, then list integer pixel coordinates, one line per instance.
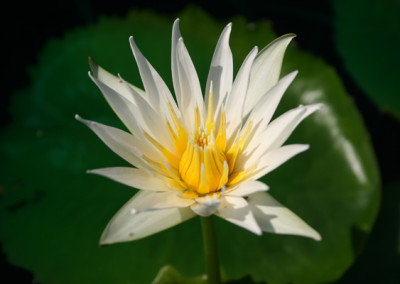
(210, 250)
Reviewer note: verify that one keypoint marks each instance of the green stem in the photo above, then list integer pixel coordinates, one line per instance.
(210, 250)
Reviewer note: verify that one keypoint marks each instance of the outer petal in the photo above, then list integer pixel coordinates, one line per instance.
(221, 70)
(133, 177)
(185, 80)
(280, 129)
(156, 89)
(246, 188)
(264, 110)
(112, 81)
(274, 135)
(125, 226)
(122, 103)
(152, 121)
(266, 69)
(277, 157)
(117, 140)
(236, 98)
(273, 217)
(237, 211)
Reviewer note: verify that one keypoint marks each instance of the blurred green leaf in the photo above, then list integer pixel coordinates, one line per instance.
(53, 213)
(380, 261)
(169, 274)
(368, 39)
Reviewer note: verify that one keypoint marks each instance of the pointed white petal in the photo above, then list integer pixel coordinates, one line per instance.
(188, 94)
(119, 141)
(246, 188)
(145, 70)
(122, 103)
(206, 206)
(266, 69)
(280, 129)
(275, 218)
(151, 121)
(111, 81)
(221, 70)
(133, 177)
(176, 35)
(265, 108)
(276, 133)
(262, 113)
(156, 89)
(236, 98)
(185, 79)
(273, 159)
(237, 211)
(125, 226)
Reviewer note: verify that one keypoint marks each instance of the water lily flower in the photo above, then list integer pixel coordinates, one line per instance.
(201, 155)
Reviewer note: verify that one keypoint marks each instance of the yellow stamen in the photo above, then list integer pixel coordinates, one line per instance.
(190, 194)
(179, 137)
(197, 120)
(240, 176)
(238, 146)
(210, 113)
(167, 154)
(203, 185)
(232, 155)
(202, 166)
(221, 137)
(224, 177)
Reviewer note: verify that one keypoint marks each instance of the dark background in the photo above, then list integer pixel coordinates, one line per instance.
(27, 27)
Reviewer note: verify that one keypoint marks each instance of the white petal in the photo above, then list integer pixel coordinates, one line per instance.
(117, 140)
(236, 98)
(112, 81)
(122, 103)
(125, 226)
(273, 159)
(221, 70)
(161, 200)
(133, 177)
(247, 187)
(185, 80)
(176, 35)
(281, 128)
(277, 132)
(237, 211)
(268, 103)
(156, 89)
(151, 121)
(266, 69)
(275, 218)
(189, 87)
(206, 206)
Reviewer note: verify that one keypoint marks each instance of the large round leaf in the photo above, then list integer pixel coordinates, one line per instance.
(368, 39)
(53, 213)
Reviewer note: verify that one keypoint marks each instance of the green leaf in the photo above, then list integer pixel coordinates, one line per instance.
(53, 213)
(169, 274)
(368, 39)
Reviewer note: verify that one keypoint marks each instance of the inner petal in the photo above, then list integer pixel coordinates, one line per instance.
(203, 166)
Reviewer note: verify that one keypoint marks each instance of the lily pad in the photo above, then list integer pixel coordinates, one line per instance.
(368, 39)
(53, 213)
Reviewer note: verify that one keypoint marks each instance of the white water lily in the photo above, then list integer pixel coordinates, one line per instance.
(201, 156)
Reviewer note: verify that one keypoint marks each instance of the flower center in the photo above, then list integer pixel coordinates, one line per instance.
(203, 166)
